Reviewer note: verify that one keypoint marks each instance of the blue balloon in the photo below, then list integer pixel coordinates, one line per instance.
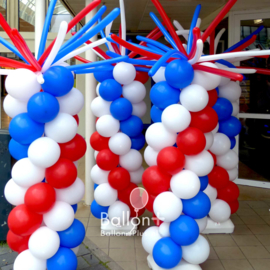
(43, 181)
(163, 95)
(184, 231)
(43, 107)
(121, 109)
(179, 73)
(58, 81)
(133, 126)
(24, 129)
(155, 114)
(223, 108)
(98, 211)
(64, 259)
(17, 150)
(204, 182)
(103, 75)
(233, 142)
(75, 208)
(138, 142)
(72, 236)
(95, 186)
(166, 253)
(110, 90)
(230, 127)
(217, 89)
(197, 207)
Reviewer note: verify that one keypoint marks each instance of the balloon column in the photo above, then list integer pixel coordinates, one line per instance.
(188, 152)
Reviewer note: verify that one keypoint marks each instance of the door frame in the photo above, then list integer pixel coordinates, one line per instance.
(234, 36)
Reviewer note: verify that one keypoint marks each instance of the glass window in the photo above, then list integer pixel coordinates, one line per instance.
(3, 10)
(27, 15)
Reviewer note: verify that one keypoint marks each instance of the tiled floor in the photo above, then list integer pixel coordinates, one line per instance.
(247, 248)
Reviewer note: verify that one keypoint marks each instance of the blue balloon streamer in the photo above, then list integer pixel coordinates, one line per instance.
(142, 69)
(193, 25)
(225, 63)
(92, 70)
(163, 30)
(46, 27)
(245, 39)
(102, 33)
(109, 18)
(154, 48)
(154, 42)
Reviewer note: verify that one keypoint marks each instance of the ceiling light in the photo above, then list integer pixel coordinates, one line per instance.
(258, 21)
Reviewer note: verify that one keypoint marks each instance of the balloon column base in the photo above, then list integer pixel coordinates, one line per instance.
(180, 266)
(215, 227)
(107, 228)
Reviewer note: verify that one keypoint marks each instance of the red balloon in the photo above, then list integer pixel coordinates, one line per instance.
(170, 160)
(119, 178)
(218, 177)
(62, 174)
(22, 221)
(213, 96)
(150, 203)
(191, 141)
(141, 77)
(124, 195)
(107, 160)
(40, 198)
(205, 120)
(155, 181)
(234, 206)
(16, 242)
(157, 221)
(229, 193)
(98, 142)
(74, 149)
(214, 157)
(76, 117)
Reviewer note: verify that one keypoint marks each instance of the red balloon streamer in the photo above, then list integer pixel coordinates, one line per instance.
(5, 62)
(263, 71)
(83, 60)
(196, 35)
(71, 24)
(218, 19)
(246, 44)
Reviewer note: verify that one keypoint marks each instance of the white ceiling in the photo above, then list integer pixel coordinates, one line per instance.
(137, 11)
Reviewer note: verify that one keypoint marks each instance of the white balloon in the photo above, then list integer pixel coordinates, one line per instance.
(176, 118)
(201, 164)
(211, 192)
(107, 126)
(44, 243)
(44, 152)
(183, 265)
(27, 261)
(22, 84)
(71, 103)
(120, 143)
(233, 173)
(194, 98)
(97, 89)
(220, 211)
(119, 213)
(202, 223)
(99, 176)
(185, 184)
(228, 161)
(209, 137)
(62, 128)
(160, 75)
(235, 109)
(164, 229)
(198, 252)
(136, 176)
(100, 107)
(149, 239)
(13, 106)
(131, 161)
(150, 156)
(60, 217)
(135, 92)
(72, 194)
(207, 80)
(14, 194)
(231, 91)
(139, 109)
(25, 174)
(215, 130)
(223, 80)
(167, 207)
(158, 137)
(221, 144)
(105, 195)
(124, 73)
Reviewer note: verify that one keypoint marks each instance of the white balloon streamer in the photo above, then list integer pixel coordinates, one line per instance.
(180, 27)
(107, 33)
(199, 21)
(6, 71)
(198, 54)
(220, 33)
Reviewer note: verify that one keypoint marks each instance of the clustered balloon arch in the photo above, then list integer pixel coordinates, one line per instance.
(189, 153)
